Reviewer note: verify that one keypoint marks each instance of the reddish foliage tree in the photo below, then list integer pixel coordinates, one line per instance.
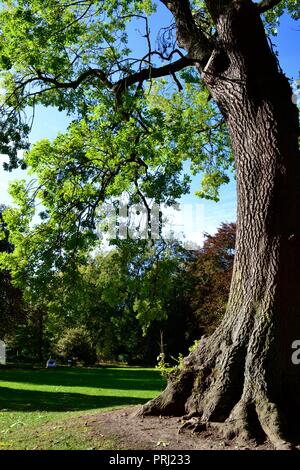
(212, 272)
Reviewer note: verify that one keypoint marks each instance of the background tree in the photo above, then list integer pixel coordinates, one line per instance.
(134, 302)
(124, 138)
(11, 308)
(76, 343)
(211, 277)
(111, 298)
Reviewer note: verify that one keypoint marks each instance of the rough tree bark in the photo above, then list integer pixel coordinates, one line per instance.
(243, 376)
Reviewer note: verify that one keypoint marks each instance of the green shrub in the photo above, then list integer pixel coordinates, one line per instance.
(76, 343)
(166, 369)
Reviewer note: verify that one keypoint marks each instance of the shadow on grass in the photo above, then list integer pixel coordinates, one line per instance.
(31, 400)
(108, 378)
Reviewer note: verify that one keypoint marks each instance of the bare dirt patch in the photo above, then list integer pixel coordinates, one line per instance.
(152, 433)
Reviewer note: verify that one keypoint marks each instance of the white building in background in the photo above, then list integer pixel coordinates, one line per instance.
(2, 353)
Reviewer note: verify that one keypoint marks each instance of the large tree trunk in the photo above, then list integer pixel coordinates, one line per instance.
(243, 374)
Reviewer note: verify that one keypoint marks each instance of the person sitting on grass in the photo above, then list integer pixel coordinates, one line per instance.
(50, 363)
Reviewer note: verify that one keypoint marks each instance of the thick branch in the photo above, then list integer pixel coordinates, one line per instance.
(120, 86)
(189, 36)
(217, 8)
(266, 5)
(152, 72)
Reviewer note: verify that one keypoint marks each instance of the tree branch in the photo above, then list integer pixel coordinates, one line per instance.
(152, 72)
(189, 36)
(120, 86)
(75, 83)
(266, 5)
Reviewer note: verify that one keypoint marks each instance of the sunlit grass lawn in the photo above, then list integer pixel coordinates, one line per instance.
(38, 407)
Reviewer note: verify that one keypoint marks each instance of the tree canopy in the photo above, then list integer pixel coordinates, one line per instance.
(139, 112)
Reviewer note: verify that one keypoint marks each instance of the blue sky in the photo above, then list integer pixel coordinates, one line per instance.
(48, 122)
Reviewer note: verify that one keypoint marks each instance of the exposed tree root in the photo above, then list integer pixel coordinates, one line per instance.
(221, 394)
(193, 424)
(273, 424)
(244, 426)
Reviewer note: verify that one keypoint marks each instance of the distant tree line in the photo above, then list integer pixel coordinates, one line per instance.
(132, 303)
